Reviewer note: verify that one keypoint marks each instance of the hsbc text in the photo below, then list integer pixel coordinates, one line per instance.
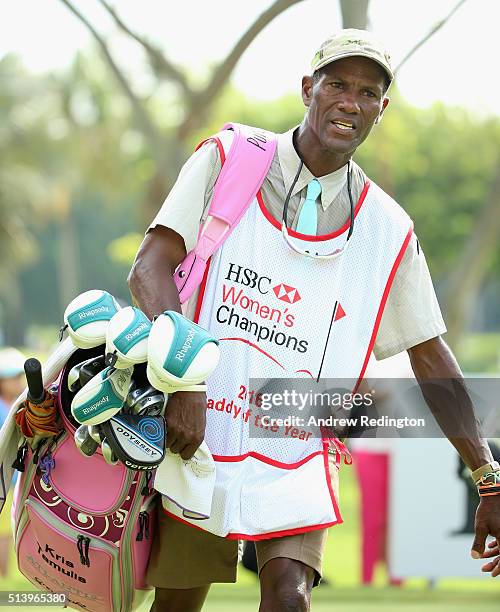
(248, 278)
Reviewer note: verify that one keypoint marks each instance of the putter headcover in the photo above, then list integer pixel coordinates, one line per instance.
(137, 441)
(181, 354)
(102, 397)
(127, 338)
(87, 317)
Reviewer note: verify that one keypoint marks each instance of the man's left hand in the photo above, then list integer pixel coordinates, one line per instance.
(492, 566)
(488, 523)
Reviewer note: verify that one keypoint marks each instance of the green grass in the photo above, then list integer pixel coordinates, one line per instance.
(329, 599)
(342, 570)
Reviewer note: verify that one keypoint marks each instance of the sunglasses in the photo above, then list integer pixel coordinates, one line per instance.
(301, 251)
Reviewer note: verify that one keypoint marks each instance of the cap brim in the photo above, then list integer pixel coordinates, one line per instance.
(322, 64)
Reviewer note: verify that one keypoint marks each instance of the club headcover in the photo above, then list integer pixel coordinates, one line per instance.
(87, 317)
(138, 441)
(102, 397)
(127, 338)
(180, 353)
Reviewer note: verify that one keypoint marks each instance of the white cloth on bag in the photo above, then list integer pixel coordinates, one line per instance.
(188, 484)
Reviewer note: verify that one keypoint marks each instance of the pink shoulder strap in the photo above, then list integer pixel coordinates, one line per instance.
(243, 172)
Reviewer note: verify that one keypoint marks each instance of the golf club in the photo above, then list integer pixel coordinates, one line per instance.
(107, 452)
(94, 433)
(82, 372)
(144, 400)
(85, 444)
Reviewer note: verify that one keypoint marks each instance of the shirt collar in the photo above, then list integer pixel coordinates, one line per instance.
(289, 161)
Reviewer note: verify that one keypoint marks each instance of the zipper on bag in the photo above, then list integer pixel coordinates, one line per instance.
(18, 463)
(83, 543)
(143, 526)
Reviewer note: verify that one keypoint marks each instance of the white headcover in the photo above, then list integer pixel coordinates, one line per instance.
(102, 397)
(180, 353)
(127, 337)
(87, 317)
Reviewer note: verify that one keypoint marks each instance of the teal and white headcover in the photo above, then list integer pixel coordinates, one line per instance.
(180, 353)
(127, 338)
(102, 397)
(87, 317)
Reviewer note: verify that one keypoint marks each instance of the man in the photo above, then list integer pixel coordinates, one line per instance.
(344, 276)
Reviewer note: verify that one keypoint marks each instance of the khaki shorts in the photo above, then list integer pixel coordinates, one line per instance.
(184, 557)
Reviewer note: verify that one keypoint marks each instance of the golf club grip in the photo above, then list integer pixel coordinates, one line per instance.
(33, 371)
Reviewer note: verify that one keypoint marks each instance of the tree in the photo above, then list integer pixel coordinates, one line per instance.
(22, 187)
(169, 148)
(469, 273)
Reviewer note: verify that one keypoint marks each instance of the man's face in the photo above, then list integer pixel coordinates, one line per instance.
(344, 102)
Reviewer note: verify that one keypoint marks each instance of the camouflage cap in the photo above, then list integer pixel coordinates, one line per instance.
(349, 43)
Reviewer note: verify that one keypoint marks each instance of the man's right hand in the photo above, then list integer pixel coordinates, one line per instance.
(186, 417)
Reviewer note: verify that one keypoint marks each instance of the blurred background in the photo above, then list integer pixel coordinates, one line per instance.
(100, 105)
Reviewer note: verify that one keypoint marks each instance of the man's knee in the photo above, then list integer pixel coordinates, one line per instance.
(286, 598)
(286, 586)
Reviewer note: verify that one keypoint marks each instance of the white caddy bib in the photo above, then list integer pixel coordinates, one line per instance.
(271, 309)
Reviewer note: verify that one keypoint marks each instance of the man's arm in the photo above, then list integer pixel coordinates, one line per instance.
(454, 412)
(434, 361)
(153, 289)
(151, 280)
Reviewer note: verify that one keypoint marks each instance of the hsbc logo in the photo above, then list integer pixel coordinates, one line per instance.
(262, 284)
(248, 278)
(286, 293)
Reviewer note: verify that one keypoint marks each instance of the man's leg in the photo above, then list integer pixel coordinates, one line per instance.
(285, 586)
(180, 600)
(184, 562)
(291, 566)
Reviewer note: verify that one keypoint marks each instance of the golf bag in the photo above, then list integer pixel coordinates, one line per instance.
(82, 526)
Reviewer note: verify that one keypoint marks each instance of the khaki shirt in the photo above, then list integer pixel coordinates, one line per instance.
(412, 314)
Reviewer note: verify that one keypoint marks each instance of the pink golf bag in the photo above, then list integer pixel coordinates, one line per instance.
(81, 526)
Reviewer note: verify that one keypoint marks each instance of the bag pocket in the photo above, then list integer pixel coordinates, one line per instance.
(55, 556)
(100, 488)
